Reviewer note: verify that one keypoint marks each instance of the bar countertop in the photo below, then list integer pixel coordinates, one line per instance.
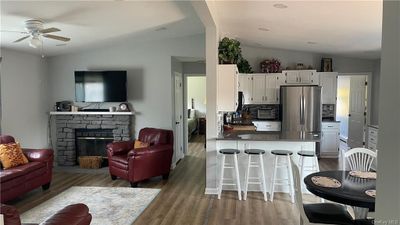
(268, 136)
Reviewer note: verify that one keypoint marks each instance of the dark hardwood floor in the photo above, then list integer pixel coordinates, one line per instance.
(182, 199)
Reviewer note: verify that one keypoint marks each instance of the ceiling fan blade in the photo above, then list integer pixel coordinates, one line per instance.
(21, 39)
(14, 31)
(59, 38)
(49, 30)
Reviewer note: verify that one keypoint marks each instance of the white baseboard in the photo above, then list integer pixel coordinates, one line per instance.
(211, 191)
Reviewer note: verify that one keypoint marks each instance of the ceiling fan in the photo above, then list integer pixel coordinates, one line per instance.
(35, 29)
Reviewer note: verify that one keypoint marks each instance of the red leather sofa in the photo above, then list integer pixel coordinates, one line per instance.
(77, 214)
(21, 179)
(137, 165)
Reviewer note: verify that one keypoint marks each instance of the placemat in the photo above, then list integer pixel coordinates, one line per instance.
(327, 182)
(363, 174)
(371, 193)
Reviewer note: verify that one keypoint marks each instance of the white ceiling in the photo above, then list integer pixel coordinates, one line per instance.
(98, 23)
(349, 28)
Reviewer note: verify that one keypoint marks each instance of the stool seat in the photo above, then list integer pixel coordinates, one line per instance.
(306, 153)
(254, 151)
(281, 152)
(229, 151)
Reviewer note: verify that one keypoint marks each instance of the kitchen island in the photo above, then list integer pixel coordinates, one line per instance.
(268, 141)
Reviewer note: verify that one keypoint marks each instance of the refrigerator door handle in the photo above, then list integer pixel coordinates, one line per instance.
(301, 110)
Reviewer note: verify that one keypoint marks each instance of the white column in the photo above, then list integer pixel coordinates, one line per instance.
(388, 183)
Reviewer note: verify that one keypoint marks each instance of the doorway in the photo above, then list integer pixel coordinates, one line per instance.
(352, 110)
(195, 96)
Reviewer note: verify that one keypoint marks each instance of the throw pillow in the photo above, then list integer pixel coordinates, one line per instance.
(139, 144)
(11, 155)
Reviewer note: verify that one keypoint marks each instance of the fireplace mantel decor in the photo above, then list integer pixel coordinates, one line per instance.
(120, 124)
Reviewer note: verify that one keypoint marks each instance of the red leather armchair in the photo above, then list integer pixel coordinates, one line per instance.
(77, 214)
(21, 179)
(135, 166)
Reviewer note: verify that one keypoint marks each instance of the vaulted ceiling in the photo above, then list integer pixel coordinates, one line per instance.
(350, 28)
(93, 23)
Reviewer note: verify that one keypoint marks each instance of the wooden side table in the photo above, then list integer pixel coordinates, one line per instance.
(201, 128)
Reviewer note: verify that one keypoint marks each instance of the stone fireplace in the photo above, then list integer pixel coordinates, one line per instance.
(117, 127)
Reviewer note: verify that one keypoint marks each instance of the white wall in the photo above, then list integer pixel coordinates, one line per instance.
(148, 65)
(24, 98)
(196, 89)
(340, 64)
(388, 183)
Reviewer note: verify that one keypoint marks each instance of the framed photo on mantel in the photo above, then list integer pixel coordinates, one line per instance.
(326, 65)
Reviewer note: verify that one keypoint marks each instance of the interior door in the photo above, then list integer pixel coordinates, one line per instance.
(258, 89)
(178, 136)
(357, 111)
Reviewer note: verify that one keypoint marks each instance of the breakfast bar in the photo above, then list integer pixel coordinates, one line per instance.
(267, 141)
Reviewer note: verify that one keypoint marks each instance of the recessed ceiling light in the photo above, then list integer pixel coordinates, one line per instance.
(311, 42)
(280, 6)
(160, 29)
(263, 29)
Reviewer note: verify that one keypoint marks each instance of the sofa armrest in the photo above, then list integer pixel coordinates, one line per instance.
(119, 147)
(39, 155)
(10, 215)
(77, 214)
(150, 150)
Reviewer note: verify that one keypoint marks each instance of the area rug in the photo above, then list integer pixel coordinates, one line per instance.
(108, 205)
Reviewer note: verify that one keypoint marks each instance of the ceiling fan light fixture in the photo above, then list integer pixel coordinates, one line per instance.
(35, 42)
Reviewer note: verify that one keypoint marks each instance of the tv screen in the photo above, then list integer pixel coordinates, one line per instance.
(100, 86)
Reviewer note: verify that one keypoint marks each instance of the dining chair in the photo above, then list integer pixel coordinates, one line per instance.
(359, 159)
(320, 213)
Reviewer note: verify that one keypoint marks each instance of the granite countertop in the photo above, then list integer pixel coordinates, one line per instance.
(330, 121)
(269, 136)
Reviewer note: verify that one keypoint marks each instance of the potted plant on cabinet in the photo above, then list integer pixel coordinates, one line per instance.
(229, 51)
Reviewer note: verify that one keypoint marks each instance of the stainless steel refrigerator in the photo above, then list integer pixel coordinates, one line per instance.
(301, 108)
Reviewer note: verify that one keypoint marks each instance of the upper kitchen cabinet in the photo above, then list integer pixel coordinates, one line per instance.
(306, 77)
(328, 82)
(260, 88)
(227, 87)
(246, 86)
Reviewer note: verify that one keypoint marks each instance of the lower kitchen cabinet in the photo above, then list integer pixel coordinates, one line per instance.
(329, 146)
(372, 142)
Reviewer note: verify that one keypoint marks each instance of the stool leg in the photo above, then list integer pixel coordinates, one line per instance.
(221, 180)
(290, 177)
(237, 177)
(246, 182)
(263, 177)
(273, 178)
(316, 164)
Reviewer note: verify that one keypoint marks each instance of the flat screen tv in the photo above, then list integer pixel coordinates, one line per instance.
(100, 86)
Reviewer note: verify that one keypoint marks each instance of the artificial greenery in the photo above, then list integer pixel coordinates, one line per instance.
(244, 66)
(229, 51)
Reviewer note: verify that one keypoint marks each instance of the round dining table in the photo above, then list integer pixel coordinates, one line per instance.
(351, 192)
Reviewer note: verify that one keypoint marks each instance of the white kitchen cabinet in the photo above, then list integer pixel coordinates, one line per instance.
(309, 77)
(329, 146)
(258, 89)
(227, 88)
(372, 142)
(328, 82)
(246, 86)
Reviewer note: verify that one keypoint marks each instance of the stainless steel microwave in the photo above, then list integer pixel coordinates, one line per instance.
(268, 113)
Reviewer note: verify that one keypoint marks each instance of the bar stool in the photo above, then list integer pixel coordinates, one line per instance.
(311, 155)
(285, 154)
(224, 166)
(313, 168)
(261, 173)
